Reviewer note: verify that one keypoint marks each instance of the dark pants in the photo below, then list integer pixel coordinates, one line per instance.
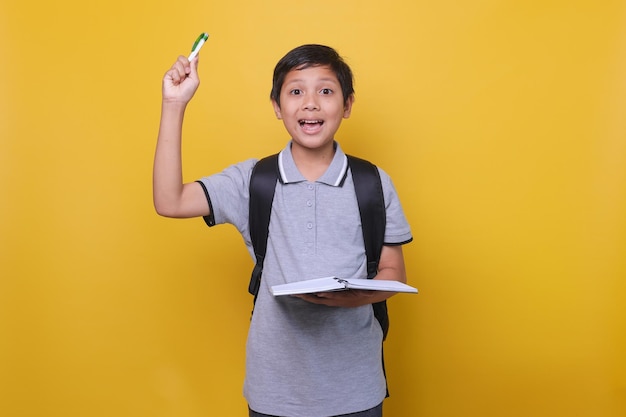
(372, 412)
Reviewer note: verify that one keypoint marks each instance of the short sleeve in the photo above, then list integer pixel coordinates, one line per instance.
(228, 195)
(398, 231)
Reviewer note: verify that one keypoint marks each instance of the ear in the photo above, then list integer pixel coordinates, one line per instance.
(347, 108)
(277, 110)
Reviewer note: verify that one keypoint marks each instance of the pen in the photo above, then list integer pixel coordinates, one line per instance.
(198, 44)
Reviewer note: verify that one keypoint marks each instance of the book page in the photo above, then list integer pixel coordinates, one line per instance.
(309, 286)
(339, 284)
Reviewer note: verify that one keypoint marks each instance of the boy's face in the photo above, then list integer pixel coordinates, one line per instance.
(312, 106)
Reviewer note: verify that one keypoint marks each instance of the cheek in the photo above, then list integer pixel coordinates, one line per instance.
(288, 108)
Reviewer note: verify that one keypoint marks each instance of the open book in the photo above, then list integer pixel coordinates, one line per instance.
(340, 284)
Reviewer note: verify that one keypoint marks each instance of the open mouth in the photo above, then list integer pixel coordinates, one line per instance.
(310, 124)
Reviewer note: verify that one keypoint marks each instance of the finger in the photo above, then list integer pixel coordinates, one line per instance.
(183, 63)
(193, 67)
(179, 67)
(311, 298)
(171, 76)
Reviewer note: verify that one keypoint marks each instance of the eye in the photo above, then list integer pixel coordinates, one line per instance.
(296, 92)
(326, 91)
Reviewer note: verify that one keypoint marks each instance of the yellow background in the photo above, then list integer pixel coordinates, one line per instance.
(502, 123)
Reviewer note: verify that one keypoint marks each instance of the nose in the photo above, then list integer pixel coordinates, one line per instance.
(310, 103)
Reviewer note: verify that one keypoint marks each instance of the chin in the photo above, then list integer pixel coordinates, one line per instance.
(313, 143)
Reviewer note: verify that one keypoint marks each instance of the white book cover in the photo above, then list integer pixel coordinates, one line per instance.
(340, 284)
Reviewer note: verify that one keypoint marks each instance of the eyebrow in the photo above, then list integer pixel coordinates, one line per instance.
(326, 79)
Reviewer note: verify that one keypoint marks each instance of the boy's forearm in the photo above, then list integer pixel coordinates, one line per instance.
(167, 171)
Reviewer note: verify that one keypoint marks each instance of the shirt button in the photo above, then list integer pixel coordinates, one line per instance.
(309, 225)
(309, 203)
(310, 186)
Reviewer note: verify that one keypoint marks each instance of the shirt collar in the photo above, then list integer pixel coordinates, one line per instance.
(334, 175)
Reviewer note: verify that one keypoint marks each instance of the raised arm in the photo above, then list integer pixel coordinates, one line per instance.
(172, 197)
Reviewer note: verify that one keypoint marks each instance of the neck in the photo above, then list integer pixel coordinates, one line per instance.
(312, 163)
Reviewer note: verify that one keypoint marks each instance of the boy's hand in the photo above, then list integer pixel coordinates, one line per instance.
(181, 81)
(348, 298)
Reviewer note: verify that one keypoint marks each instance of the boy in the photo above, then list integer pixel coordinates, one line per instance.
(309, 356)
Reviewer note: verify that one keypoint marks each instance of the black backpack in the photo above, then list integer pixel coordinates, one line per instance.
(369, 194)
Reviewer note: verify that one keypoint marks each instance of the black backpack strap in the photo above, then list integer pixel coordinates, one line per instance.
(262, 188)
(369, 195)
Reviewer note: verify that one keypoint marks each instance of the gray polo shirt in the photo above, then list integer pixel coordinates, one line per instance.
(303, 359)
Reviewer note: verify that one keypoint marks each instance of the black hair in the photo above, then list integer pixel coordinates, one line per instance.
(312, 55)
